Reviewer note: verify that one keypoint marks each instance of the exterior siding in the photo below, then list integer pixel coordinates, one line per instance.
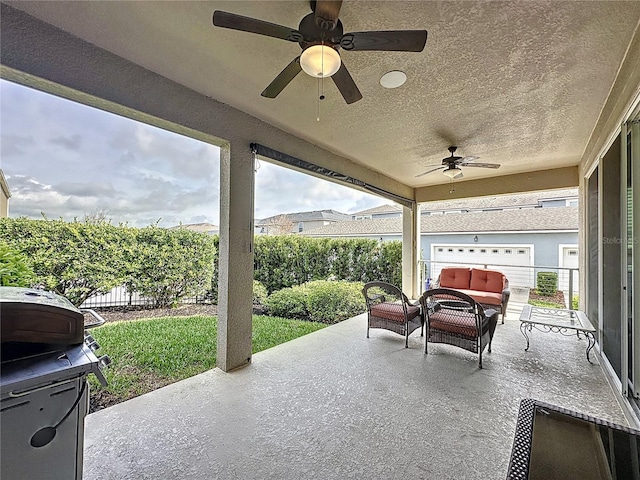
(545, 245)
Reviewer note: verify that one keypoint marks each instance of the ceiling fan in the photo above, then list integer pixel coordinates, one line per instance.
(320, 35)
(451, 165)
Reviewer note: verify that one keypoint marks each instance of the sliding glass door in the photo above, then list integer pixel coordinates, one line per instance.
(630, 226)
(613, 261)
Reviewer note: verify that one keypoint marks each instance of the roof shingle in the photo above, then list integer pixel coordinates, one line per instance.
(531, 219)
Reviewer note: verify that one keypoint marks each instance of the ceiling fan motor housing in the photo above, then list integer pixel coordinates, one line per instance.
(312, 34)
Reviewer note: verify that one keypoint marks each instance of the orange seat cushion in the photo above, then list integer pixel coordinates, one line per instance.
(394, 311)
(486, 280)
(487, 298)
(461, 323)
(456, 278)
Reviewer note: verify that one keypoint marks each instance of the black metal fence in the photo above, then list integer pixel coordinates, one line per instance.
(121, 297)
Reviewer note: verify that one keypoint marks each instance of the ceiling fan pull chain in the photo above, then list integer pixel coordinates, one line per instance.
(321, 82)
(318, 100)
(322, 78)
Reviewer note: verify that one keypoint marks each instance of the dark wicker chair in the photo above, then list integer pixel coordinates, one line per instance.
(455, 318)
(389, 308)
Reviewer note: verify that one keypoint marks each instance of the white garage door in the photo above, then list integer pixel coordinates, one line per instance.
(569, 256)
(504, 258)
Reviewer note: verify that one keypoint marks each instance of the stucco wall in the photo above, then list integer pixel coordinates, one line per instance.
(4, 205)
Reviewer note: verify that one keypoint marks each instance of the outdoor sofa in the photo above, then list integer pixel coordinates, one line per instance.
(487, 287)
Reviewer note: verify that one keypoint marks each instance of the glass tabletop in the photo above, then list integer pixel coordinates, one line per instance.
(556, 317)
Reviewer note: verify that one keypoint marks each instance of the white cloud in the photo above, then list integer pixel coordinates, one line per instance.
(69, 160)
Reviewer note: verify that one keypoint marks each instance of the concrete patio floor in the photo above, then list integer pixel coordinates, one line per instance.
(336, 405)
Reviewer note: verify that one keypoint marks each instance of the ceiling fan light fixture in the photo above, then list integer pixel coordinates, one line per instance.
(320, 61)
(452, 172)
(393, 79)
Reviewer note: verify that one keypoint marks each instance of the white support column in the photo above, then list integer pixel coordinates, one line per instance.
(235, 278)
(410, 251)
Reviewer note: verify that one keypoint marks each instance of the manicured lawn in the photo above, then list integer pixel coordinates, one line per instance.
(150, 353)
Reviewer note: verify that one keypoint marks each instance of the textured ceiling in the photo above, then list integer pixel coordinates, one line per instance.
(516, 83)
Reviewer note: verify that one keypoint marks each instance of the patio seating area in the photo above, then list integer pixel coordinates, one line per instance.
(335, 405)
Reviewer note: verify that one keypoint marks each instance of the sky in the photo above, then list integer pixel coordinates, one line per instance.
(65, 160)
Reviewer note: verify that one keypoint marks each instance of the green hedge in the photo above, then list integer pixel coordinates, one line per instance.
(319, 301)
(168, 265)
(260, 293)
(290, 302)
(289, 260)
(15, 270)
(547, 283)
(74, 259)
(80, 259)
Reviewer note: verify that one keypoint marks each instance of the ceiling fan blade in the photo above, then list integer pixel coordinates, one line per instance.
(346, 85)
(481, 165)
(469, 159)
(392, 40)
(429, 171)
(283, 79)
(253, 25)
(326, 13)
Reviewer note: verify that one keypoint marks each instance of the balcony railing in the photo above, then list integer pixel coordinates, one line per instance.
(518, 276)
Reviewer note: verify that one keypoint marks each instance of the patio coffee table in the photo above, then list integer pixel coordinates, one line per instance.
(565, 322)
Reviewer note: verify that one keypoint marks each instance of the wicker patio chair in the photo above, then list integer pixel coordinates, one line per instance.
(455, 318)
(389, 308)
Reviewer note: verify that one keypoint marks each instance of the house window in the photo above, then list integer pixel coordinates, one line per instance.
(521, 252)
(495, 250)
(450, 250)
(572, 253)
(471, 250)
(300, 226)
(483, 250)
(461, 250)
(441, 249)
(507, 250)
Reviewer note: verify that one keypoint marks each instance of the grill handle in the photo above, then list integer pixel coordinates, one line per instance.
(94, 314)
(37, 389)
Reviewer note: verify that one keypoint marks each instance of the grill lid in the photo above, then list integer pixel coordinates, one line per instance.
(36, 316)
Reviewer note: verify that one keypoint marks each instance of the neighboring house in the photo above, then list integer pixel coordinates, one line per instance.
(5, 194)
(298, 222)
(553, 198)
(541, 231)
(208, 228)
(381, 211)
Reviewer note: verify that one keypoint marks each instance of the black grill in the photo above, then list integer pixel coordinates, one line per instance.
(44, 394)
